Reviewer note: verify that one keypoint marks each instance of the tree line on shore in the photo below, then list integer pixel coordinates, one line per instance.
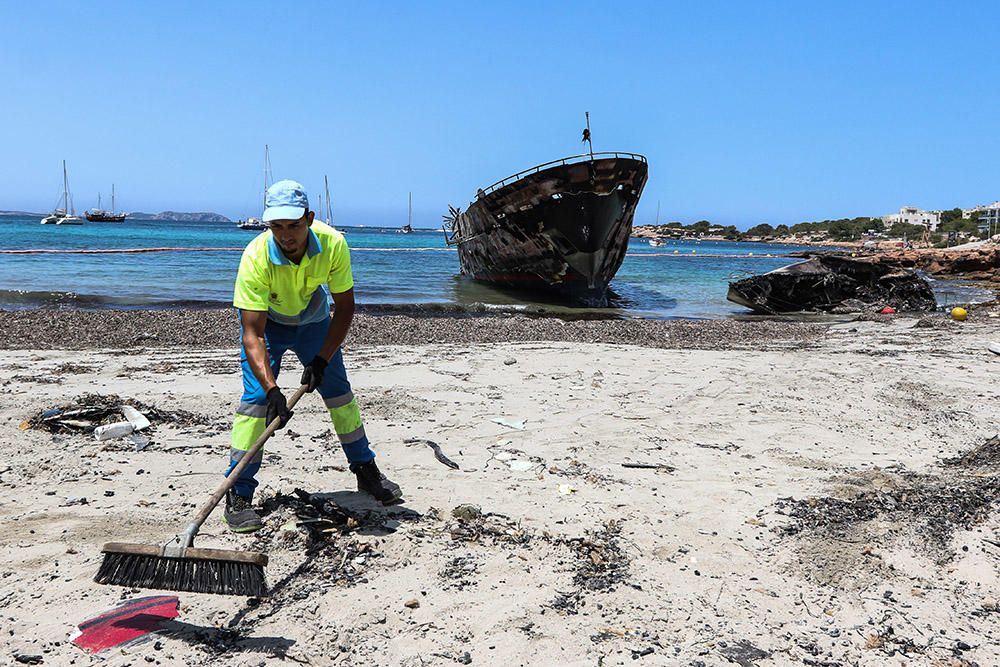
(843, 229)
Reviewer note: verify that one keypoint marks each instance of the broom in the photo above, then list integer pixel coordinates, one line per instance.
(178, 565)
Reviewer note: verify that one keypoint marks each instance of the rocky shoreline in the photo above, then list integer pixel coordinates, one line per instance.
(207, 329)
(980, 262)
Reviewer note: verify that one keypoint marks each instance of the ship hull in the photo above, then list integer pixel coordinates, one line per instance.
(561, 230)
(61, 220)
(105, 217)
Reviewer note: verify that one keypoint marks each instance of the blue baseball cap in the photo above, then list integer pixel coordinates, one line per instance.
(285, 200)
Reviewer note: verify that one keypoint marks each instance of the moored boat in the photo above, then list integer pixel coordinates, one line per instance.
(256, 224)
(408, 227)
(251, 224)
(100, 215)
(64, 215)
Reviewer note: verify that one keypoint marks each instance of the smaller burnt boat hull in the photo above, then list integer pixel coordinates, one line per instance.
(829, 282)
(561, 228)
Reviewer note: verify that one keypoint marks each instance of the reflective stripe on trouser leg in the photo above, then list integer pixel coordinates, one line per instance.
(346, 419)
(249, 422)
(247, 427)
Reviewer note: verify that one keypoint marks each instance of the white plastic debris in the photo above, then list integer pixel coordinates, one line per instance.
(510, 423)
(136, 418)
(994, 348)
(140, 441)
(112, 431)
(566, 489)
(520, 465)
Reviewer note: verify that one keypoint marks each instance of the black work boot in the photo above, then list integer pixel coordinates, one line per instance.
(240, 516)
(373, 482)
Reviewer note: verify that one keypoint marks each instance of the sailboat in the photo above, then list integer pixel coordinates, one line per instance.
(256, 224)
(408, 227)
(65, 215)
(329, 205)
(100, 215)
(656, 240)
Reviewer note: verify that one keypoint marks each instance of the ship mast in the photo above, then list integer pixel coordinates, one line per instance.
(112, 198)
(586, 137)
(267, 174)
(329, 208)
(65, 189)
(409, 216)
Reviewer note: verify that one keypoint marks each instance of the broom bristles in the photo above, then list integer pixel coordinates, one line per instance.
(194, 575)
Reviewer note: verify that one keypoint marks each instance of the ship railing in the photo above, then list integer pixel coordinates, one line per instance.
(573, 159)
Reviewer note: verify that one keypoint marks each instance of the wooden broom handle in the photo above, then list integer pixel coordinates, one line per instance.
(235, 473)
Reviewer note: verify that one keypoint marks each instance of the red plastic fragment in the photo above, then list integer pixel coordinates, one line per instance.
(125, 622)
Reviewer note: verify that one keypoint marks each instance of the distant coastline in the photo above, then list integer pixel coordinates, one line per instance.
(651, 231)
(167, 216)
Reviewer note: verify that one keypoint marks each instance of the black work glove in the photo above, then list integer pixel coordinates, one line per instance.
(312, 376)
(277, 407)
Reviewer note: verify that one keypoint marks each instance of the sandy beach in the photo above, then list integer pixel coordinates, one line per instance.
(659, 493)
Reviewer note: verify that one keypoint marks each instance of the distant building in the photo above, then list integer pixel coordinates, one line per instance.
(989, 218)
(967, 212)
(911, 215)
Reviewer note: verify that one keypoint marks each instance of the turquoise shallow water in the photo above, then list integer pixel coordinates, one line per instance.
(683, 279)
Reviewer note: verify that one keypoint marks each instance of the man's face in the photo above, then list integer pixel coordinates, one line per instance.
(292, 235)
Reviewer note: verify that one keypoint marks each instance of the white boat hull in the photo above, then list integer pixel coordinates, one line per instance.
(62, 220)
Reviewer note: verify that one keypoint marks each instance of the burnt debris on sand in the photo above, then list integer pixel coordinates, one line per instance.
(927, 507)
(85, 413)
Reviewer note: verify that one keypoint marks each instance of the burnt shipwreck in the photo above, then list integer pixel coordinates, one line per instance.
(560, 228)
(835, 284)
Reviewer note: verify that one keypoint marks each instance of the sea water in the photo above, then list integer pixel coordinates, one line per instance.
(683, 279)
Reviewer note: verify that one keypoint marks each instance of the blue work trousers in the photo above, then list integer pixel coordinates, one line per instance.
(249, 423)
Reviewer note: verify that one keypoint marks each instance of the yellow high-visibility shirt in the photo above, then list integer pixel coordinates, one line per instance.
(294, 294)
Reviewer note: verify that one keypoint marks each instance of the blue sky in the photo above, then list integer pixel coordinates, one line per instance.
(748, 112)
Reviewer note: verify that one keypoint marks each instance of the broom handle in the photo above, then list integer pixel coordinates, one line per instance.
(206, 509)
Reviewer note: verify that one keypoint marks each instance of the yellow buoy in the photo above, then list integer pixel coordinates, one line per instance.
(959, 314)
(749, 254)
(694, 252)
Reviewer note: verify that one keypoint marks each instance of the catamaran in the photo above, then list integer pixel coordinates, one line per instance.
(65, 215)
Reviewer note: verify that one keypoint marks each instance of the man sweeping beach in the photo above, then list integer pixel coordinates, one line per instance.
(282, 288)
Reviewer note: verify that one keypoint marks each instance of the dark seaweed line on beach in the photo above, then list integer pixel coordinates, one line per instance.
(209, 329)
